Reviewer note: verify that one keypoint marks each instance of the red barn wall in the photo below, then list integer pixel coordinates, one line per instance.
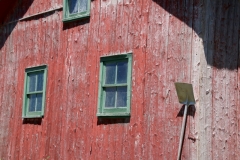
(194, 41)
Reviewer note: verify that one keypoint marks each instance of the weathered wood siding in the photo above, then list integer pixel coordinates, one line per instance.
(194, 41)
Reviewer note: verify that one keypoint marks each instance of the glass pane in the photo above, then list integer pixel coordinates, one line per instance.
(73, 6)
(39, 102)
(110, 97)
(40, 81)
(122, 72)
(110, 73)
(122, 96)
(32, 82)
(83, 5)
(32, 102)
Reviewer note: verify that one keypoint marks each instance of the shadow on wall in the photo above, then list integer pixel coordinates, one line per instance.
(12, 18)
(216, 22)
(191, 111)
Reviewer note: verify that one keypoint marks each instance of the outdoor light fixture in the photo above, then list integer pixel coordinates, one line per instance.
(186, 97)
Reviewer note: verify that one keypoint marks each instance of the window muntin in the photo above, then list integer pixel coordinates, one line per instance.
(115, 85)
(34, 93)
(75, 9)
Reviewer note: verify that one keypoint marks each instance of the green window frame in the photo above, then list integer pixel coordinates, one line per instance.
(34, 92)
(114, 93)
(75, 9)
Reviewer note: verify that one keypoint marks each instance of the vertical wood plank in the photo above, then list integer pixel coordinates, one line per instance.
(203, 51)
(92, 85)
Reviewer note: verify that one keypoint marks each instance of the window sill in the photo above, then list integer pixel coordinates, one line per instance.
(75, 18)
(113, 114)
(32, 116)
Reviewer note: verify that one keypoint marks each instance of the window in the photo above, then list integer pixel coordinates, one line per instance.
(34, 92)
(115, 85)
(75, 9)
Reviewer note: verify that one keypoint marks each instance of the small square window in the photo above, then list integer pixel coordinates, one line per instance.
(34, 92)
(115, 85)
(75, 9)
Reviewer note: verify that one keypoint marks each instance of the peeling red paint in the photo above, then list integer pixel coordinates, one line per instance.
(186, 41)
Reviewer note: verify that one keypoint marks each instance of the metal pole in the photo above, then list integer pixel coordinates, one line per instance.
(182, 132)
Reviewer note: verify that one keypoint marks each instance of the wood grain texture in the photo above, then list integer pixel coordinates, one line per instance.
(193, 41)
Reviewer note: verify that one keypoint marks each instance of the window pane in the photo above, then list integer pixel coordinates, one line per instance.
(40, 81)
(122, 96)
(39, 102)
(110, 73)
(83, 5)
(110, 97)
(32, 102)
(32, 82)
(122, 72)
(73, 6)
